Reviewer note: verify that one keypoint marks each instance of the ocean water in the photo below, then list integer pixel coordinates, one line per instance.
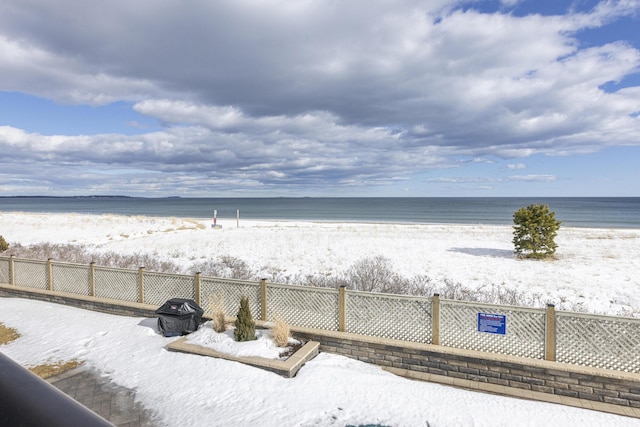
(595, 212)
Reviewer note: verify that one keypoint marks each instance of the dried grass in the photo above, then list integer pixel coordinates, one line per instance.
(8, 334)
(281, 332)
(216, 308)
(51, 369)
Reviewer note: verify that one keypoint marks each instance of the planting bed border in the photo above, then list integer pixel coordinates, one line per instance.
(286, 368)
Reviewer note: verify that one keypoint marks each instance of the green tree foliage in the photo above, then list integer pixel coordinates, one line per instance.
(3, 244)
(535, 231)
(245, 326)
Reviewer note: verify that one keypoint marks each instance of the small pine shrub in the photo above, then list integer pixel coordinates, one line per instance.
(216, 308)
(245, 326)
(281, 332)
(3, 244)
(535, 231)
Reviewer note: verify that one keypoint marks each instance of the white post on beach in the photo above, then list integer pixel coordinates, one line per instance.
(238, 218)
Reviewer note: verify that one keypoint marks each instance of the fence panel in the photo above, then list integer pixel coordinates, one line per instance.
(71, 278)
(159, 287)
(4, 271)
(598, 341)
(117, 283)
(525, 329)
(303, 306)
(230, 291)
(30, 273)
(389, 316)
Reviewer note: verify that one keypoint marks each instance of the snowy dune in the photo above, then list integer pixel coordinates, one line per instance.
(596, 270)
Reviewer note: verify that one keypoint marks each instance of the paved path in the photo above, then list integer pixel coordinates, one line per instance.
(112, 402)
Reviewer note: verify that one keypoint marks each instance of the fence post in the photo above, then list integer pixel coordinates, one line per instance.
(197, 286)
(49, 275)
(12, 280)
(435, 320)
(550, 333)
(263, 300)
(141, 285)
(342, 309)
(92, 278)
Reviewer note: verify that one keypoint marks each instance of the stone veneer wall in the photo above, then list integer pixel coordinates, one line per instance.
(122, 308)
(592, 388)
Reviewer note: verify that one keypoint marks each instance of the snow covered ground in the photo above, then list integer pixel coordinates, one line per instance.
(597, 270)
(183, 389)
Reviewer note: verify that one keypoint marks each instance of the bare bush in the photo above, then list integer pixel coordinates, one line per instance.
(371, 275)
(80, 254)
(225, 266)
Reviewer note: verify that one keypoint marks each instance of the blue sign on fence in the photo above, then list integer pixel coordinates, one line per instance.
(492, 323)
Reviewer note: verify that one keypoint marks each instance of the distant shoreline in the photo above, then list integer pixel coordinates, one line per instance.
(606, 212)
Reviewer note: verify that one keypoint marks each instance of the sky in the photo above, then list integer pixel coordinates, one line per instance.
(319, 98)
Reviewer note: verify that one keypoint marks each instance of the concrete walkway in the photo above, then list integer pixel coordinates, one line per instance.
(112, 402)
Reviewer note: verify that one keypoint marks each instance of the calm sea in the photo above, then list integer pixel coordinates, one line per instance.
(596, 212)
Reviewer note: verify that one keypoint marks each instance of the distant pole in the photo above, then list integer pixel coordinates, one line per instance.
(237, 218)
(215, 217)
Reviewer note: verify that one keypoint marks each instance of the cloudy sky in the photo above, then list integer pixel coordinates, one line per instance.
(245, 98)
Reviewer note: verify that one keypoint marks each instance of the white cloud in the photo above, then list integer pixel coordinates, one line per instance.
(516, 166)
(319, 93)
(533, 178)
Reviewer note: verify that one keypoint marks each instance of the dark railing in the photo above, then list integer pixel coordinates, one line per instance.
(28, 401)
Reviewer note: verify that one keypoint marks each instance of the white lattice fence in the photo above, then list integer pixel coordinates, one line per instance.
(231, 291)
(30, 274)
(302, 306)
(389, 316)
(525, 329)
(71, 278)
(4, 271)
(160, 287)
(117, 283)
(598, 341)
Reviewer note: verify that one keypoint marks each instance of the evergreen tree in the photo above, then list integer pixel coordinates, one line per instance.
(535, 231)
(245, 326)
(3, 244)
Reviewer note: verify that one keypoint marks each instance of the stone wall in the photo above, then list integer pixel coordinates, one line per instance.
(592, 388)
(103, 305)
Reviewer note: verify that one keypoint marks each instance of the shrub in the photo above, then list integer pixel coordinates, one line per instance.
(3, 244)
(535, 231)
(372, 275)
(216, 308)
(281, 332)
(245, 326)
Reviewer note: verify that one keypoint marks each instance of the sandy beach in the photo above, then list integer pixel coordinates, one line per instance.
(596, 270)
